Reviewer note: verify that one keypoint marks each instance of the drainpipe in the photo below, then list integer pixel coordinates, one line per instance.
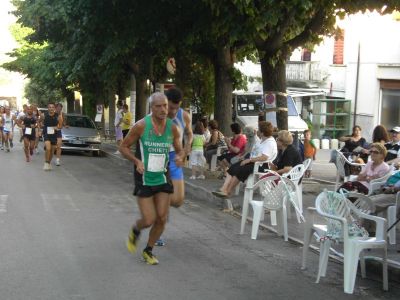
(357, 78)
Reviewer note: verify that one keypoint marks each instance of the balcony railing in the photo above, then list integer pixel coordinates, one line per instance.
(303, 71)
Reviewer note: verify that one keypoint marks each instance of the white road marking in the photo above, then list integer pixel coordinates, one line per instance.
(72, 203)
(3, 203)
(46, 203)
(54, 201)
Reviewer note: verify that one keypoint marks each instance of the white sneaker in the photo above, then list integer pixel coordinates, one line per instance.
(47, 167)
(37, 151)
(117, 152)
(201, 177)
(192, 177)
(57, 162)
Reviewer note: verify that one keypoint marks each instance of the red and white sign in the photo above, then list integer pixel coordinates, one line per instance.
(270, 100)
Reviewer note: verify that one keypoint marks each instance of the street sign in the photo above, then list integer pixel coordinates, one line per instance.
(99, 108)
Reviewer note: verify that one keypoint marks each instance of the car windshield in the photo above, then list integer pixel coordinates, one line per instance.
(80, 121)
(251, 105)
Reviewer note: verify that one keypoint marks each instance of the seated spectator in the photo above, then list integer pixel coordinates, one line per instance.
(252, 138)
(380, 135)
(288, 155)
(393, 147)
(241, 170)
(235, 145)
(375, 168)
(354, 142)
(216, 140)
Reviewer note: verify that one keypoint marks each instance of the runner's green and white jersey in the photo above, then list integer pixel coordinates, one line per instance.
(154, 150)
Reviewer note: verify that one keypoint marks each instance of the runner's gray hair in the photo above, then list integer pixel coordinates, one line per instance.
(156, 95)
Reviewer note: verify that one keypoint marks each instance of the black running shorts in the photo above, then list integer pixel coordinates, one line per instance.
(146, 191)
(52, 138)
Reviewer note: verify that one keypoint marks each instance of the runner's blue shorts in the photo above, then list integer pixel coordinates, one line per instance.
(175, 172)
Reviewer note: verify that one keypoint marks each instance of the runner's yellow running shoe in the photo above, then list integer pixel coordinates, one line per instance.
(149, 258)
(131, 243)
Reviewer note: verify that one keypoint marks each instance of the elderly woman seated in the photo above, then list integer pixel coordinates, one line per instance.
(261, 151)
(288, 155)
(375, 168)
(236, 146)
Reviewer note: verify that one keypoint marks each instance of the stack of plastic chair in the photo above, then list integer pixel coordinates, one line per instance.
(340, 226)
(295, 175)
(249, 186)
(273, 193)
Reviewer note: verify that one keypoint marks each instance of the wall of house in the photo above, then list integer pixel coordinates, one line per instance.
(379, 40)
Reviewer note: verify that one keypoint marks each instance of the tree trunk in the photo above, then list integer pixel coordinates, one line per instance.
(141, 100)
(122, 91)
(183, 66)
(132, 105)
(70, 100)
(111, 110)
(223, 89)
(274, 80)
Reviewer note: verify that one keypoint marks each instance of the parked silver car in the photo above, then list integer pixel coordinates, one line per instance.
(80, 134)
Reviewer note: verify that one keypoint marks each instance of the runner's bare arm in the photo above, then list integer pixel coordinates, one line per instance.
(131, 138)
(60, 122)
(20, 123)
(188, 132)
(180, 154)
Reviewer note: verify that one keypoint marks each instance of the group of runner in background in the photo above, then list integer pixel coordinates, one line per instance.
(33, 125)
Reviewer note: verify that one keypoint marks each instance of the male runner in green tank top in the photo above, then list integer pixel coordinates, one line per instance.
(155, 134)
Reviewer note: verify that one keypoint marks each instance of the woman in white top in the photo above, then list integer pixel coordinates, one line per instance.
(261, 151)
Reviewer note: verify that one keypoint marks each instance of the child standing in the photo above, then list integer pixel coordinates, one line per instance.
(197, 158)
(310, 151)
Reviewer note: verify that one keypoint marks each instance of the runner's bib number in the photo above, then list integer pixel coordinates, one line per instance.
(7, 125)
(28, 131)
(156, 163)
(50, 130)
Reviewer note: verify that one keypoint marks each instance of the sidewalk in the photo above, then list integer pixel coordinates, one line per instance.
(323, 176)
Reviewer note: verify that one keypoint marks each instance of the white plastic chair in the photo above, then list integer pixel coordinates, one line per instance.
(213, 164)
(249, 185)
(336, 208)
(295, 175)
(273, 193)
(341, 161)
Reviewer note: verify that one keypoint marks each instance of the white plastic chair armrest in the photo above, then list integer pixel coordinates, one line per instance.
(341, 220)
(381, 226)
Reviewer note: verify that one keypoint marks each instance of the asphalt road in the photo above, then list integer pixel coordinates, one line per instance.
(63, 237)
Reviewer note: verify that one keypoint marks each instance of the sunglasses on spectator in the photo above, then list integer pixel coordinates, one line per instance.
(374, 152)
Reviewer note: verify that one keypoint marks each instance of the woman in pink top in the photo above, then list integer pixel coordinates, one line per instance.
(235, 145)
(375, 168)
